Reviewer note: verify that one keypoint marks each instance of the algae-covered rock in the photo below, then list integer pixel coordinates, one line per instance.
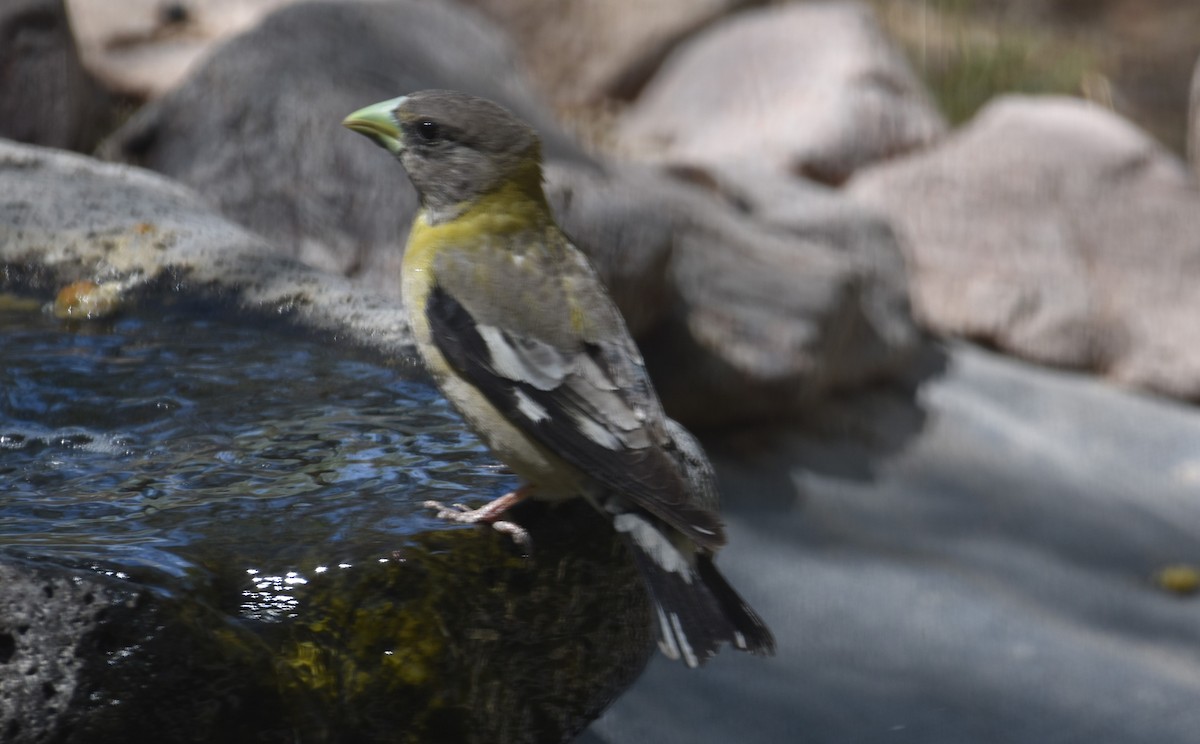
(460, 638)
(455, 638)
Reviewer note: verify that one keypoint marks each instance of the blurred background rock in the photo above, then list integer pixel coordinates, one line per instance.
(47, 97)
(1135, 55)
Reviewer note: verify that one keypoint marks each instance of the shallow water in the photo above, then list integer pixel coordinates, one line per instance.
(175, 438)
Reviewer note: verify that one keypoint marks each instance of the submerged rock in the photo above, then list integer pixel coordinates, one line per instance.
(87, 300)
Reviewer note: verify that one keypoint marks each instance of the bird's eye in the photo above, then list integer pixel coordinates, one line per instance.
(428, 130)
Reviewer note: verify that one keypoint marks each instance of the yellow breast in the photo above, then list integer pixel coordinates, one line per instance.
(484, 226)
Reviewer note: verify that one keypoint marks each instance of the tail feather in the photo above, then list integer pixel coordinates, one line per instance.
(697, 609)
(750, 632)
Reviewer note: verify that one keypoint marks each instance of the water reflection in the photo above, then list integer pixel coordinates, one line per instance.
(164, 435)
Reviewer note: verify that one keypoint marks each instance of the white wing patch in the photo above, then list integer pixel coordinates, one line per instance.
(528, 361)
(595, 376)
(597, 433)
(654, 544)
(531, 409)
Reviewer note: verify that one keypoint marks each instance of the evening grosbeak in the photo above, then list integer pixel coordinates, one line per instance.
(521, 336)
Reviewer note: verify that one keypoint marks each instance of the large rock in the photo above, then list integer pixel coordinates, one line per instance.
(812, 89)
(46, 96)
(1053, 229)
(975, 562)
(67, 218)
(762, 314)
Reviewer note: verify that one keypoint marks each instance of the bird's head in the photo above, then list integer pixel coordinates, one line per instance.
(455, 147)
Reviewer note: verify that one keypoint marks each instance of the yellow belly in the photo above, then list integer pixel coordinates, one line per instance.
(532, 462)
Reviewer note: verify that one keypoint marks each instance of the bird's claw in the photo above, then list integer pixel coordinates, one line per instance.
(487, 514)
(454, 512)
(519, 534)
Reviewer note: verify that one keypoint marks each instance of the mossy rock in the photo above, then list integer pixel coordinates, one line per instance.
(454, 637)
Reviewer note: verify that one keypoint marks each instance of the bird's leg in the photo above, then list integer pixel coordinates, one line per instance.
(489, 513)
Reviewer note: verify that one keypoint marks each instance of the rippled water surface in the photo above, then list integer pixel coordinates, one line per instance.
(169, 435)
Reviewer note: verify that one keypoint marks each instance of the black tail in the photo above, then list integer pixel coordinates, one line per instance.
(697, 609)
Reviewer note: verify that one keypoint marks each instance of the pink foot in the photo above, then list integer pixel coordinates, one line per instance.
(489, 513)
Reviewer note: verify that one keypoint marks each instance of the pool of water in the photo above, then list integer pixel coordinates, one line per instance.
(176, 437)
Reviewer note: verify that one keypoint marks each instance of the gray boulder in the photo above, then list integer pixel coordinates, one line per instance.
(801, 89)
(150, 46)
(1054, 230)
(758, 319)
(66, 218)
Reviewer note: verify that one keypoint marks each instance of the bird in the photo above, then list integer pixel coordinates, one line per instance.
(518, 331)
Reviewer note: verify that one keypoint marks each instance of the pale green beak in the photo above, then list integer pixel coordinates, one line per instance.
(378, 123)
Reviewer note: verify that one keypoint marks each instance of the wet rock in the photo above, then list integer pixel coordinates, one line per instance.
(454, 637)
(89, 655)
(46, 96)
(585, 52)
(810, 89)
(461, 638)
(1055, 230)
(87, 300)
